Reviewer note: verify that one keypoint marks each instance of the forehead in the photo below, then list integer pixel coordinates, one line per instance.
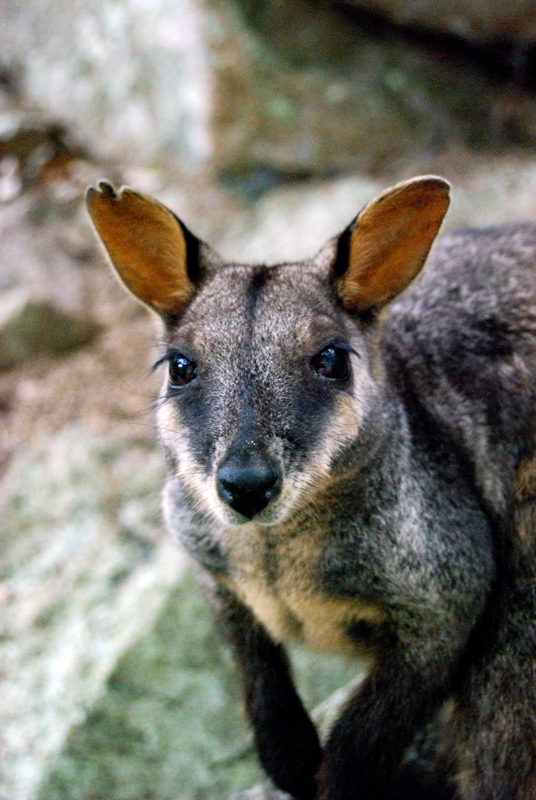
(242, 303)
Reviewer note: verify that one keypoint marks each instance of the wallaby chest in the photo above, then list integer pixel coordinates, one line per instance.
(278, 575)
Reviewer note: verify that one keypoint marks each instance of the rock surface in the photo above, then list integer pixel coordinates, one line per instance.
(238, 85)
(80, 553)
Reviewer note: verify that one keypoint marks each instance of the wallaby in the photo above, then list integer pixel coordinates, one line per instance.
(352, 465)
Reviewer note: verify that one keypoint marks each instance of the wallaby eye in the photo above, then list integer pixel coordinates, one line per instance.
(181, 370)
(333, 363)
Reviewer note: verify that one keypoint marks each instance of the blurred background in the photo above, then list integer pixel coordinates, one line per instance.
(266, 125)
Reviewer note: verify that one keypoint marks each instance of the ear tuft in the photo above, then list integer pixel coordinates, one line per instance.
(106, 189)
(148, 246)
(386, 246)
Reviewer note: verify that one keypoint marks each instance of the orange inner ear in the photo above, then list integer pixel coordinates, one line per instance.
(146, 246)
(391, 240)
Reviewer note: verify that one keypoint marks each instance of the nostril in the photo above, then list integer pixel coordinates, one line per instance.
(248, 486)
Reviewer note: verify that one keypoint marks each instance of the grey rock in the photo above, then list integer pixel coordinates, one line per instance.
(78, 587)
(293, 222)
(37, 230)
(264, 85)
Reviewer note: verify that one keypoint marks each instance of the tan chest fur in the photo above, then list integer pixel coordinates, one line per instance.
(276, 575)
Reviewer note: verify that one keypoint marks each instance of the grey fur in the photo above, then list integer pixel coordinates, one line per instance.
(402, 529)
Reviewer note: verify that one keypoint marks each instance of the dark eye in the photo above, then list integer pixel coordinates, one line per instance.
(181, 370)
(333, 363)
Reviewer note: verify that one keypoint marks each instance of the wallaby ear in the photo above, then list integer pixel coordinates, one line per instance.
(152, 252)
(386, 246)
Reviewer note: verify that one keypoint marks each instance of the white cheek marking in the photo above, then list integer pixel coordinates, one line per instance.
(191, 475)
(341, 430)
(200, 486)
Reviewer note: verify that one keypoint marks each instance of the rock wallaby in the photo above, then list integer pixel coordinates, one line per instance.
(352, 464)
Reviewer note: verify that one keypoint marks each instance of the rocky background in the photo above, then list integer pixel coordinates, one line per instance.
(266, 125)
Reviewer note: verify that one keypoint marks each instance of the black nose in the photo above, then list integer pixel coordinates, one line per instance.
(247, 483)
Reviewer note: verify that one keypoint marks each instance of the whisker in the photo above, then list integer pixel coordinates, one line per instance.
(151, 425)
(126, 390)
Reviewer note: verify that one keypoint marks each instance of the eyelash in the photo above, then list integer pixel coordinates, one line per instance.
(328, 363)
(189, 367)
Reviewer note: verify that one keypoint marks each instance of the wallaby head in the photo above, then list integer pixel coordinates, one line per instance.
(272, 371)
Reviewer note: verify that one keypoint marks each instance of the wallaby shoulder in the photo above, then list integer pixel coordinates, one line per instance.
(462, 339)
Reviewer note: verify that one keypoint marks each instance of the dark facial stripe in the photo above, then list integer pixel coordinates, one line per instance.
(258, 281)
